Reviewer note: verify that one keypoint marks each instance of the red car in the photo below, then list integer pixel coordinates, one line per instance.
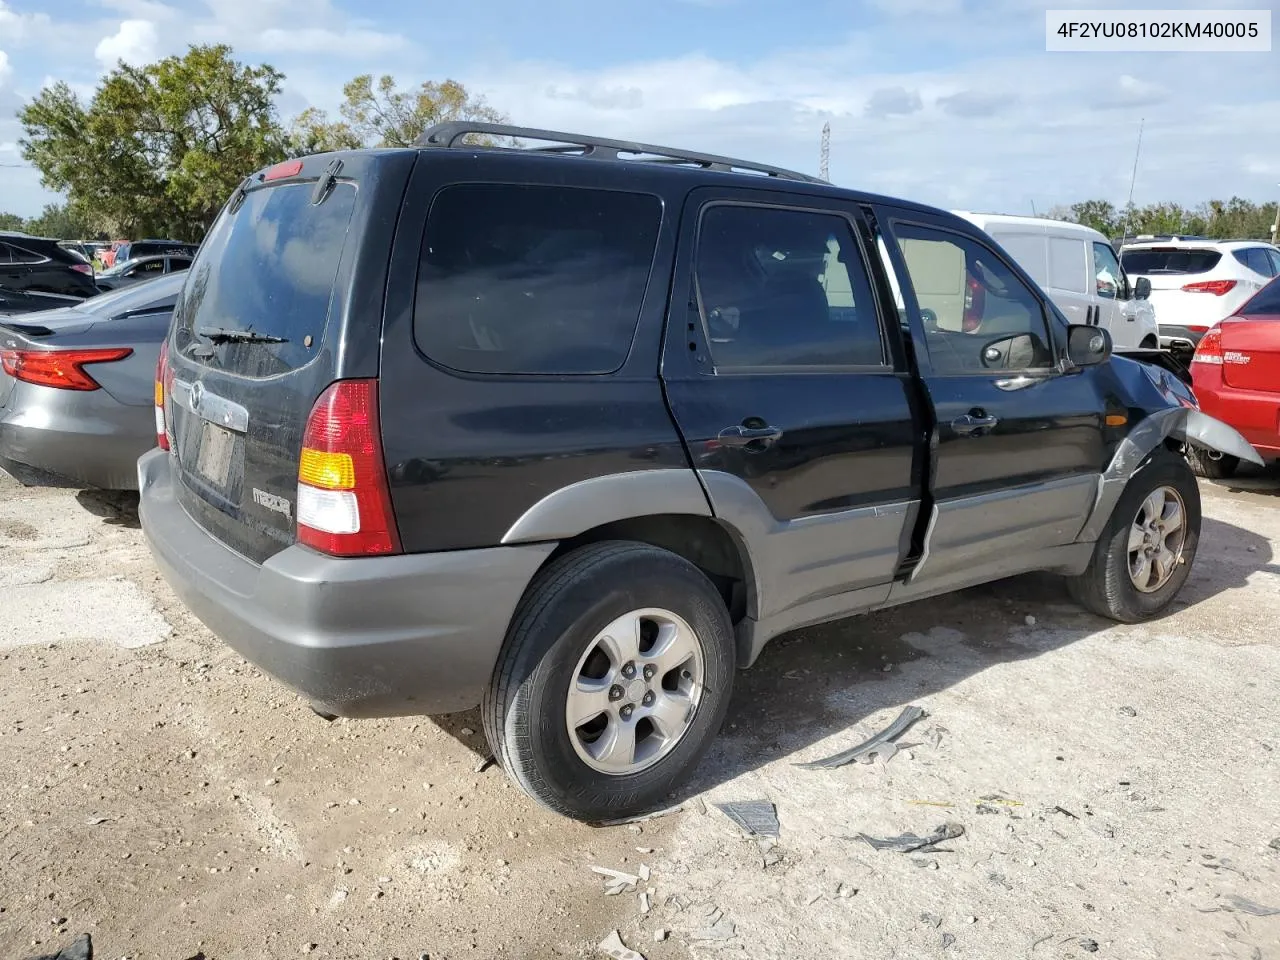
(1236, 376)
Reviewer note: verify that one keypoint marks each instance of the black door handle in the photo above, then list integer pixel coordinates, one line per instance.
(740, 436)
(973, 424)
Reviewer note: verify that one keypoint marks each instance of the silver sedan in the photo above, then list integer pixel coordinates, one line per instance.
(77, 384)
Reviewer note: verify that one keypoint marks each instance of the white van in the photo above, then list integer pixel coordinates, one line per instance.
(1076, 266)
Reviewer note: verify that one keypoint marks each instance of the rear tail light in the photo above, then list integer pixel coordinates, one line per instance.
(82, 268)
(344, 499)
(63, 369)
(1217, 287)
(162, 367)
(1209, 350)
(975, 302)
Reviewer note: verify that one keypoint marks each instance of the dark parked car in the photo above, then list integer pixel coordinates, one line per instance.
(136, 249)
(571, 437)
(141, 268)
(39, 265)
(77, 384)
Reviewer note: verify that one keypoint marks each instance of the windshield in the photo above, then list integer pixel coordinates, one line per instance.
(269, 267)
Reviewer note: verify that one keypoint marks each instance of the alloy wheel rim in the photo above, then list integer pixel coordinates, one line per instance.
(635, 691)
(1157, 537)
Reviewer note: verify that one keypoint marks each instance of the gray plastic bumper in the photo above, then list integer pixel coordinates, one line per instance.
(367, 637)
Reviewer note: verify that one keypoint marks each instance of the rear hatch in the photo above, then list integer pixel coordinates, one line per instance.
(284, 297)
(1170, 270)
(1251, 343)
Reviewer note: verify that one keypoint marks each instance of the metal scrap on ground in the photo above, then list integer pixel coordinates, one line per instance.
(1232, 902)
(758, 817)
(612, 946)
(909, 842)
(642, 818)
(882, 742)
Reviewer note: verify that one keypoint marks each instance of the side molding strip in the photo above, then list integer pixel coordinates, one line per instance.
(581, 506)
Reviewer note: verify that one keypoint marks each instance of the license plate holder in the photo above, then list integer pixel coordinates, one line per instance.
(213, 461)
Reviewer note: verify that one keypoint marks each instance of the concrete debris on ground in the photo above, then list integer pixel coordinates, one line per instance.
(612, 946)
(909, 842)
(759, 818)
(881, 743)
(79, 949)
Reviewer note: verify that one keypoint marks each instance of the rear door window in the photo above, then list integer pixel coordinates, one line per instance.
(784, 288)
(1169, 260)
(268, 267)
(518, 279)
(1265, 302)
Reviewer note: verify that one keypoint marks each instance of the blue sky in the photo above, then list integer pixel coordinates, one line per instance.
(952, 102)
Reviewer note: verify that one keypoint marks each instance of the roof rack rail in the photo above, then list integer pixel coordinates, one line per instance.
(451, 133)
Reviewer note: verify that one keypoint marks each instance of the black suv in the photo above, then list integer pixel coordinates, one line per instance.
(35, 265)
(572, 432)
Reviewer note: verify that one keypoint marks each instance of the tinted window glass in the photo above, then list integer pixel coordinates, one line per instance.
(1256, 260)
(18, 254)
(1169, 260)
(533, 279)
(784, 288)
(269, 267)
(978, 316)
(1274, 257)
(1265, 301)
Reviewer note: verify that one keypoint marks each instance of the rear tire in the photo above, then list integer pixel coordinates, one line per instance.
(1109, 586)
(559, 657)
(1222, 467)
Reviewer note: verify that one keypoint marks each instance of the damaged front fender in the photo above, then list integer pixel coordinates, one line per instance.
(1181, 423)
(1204, 431)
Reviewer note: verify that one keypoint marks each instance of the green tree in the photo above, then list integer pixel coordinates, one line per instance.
(60, 221)
(12, 222)
(1099, 214)
(159, 148)
(379, 115)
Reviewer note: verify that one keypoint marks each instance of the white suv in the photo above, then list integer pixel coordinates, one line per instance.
(1197, 282)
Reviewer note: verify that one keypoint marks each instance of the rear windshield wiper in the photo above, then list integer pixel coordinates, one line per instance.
(225, 335)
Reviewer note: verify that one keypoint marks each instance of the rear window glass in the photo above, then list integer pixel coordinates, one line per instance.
(270, 268)
(1265, 301)
(533, 279)
(1172, 260)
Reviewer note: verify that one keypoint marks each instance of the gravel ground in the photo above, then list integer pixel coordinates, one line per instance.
(1117, 786)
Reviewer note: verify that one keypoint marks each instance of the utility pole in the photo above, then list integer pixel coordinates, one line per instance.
(1128, 209)
(824, 155)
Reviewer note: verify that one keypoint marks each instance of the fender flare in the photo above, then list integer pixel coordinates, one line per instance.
(587, 504)
(1179, 423)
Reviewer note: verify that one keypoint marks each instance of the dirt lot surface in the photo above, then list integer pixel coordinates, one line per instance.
(1118, 787)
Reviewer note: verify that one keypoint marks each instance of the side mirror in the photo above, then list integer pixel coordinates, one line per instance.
(1088, 345)
(1141, 288)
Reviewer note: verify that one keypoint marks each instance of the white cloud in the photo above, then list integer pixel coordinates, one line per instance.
(1129, 91)
(6, 71)
(893, 102)
(18, 28)
(135, 42)
(316, 40)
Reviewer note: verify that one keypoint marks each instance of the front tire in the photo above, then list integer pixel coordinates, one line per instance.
(1145, 553)
(612, 682)
(1205, 464)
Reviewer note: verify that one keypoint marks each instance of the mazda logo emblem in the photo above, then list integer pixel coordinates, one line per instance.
(197, 395)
